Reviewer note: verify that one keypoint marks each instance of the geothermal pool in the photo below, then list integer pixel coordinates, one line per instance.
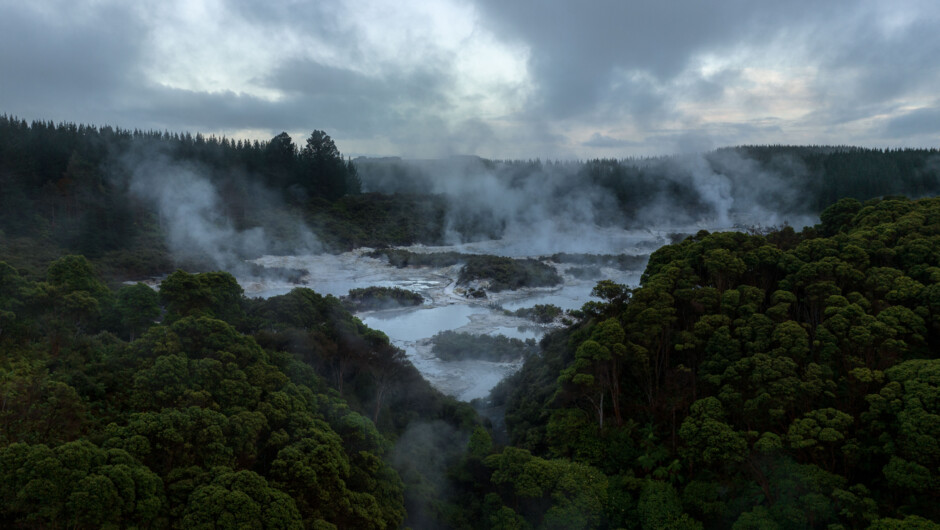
(446, 308)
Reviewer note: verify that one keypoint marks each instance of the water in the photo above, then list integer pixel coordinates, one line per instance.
(414, 325)
(524, 332)
(446, 309)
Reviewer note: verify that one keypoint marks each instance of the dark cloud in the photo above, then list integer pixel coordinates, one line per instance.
(358, 103)
(887, 62)
(925, 121)
(176, 109)
(604, 141)
(679, 74)
(65, 63)
(577, 47)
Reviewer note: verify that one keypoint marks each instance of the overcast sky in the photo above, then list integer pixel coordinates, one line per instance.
(497, 78)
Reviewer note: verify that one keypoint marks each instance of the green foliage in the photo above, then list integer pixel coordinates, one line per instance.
(213, 294)
(708, 438)
(550, 493)
(375, 220)
(34, 407)
(541, 313)
(507, 273)
(193, 424)
(784, 380)
(659, 507)
(451, 345)
(138, 307)
(905, 523)
(838, 217)
(481, 444)
(74, 273)
(377, 298)
(77, 484)
(905, 415)
(773, 379)
(237, 499)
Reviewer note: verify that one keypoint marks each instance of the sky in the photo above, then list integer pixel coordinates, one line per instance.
(500, 79)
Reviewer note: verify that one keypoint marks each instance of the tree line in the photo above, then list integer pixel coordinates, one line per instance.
(66, 188)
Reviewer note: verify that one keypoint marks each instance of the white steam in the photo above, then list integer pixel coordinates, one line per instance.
(192, 214)
(574, 207)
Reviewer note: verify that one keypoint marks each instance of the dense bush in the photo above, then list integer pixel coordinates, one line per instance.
(373, 298)
(783, 380)
(503, 274)
(541, 313)
(454, 346)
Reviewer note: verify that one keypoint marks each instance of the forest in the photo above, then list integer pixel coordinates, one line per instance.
(762, 378)
(116, 196)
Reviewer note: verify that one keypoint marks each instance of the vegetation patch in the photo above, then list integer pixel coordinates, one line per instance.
(405, 258)
(377, 298)
(502, 273)
(507, 273)
(377, 220)
(745, 360)
(771, 379)
(541, 313)
(454, 346)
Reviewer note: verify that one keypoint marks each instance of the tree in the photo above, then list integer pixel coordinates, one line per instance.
(659, 507)
(213, 294)
(596, 368)
(138, 306)
(551, 493)
(907, 412)
(708, 438)
(77, 484)
(326, 173)
(75, 273)
(838, 217)
(386, 363)
(240, 499)
(724, 267)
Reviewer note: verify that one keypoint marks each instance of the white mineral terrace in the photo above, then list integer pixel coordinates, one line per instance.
(446, 308)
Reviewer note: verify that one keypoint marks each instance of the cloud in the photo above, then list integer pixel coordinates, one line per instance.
(602, 140)
(923, 121)
(64, 62)
(502, 79)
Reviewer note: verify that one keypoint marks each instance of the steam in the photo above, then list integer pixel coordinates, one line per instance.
(584, 207)
(198, 223)
(536, 208)
(422, 456)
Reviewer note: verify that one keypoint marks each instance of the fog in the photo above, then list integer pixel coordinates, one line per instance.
(507, 208)
(215, 219)
(202, 228)
(584, 204)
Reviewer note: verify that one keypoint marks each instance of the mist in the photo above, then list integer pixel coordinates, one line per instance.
(207, 227)
(422, 456)
(549, 207)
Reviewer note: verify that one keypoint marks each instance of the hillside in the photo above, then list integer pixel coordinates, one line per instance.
(786, 380)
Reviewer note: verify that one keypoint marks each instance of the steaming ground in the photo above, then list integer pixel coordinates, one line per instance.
(447, 309)
(535, 209)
